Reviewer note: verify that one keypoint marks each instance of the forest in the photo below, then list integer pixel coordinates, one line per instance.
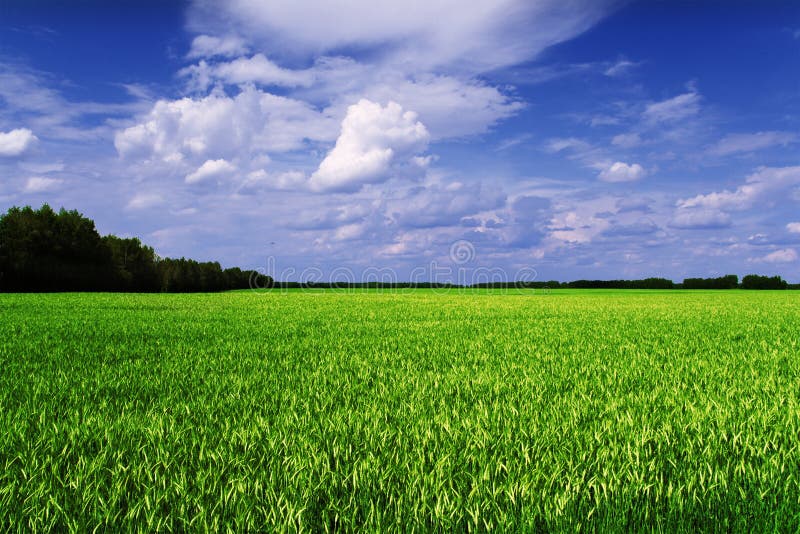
(45, 250)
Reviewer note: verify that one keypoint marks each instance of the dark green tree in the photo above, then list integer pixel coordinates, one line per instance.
(754, 281)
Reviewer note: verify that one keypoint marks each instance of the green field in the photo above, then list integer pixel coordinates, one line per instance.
(409, 410)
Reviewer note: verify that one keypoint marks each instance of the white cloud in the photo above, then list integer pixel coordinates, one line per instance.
(219, 126)
(673, 109)
(211, 169)
(623, 172)
(619, 68)
(741, 198)
(568, 143)
(256, 69)
(16, 142)
(764, 183)
(449, 107)
(793, 227)
(734, 143)
(260, 179)
(577, 227)
(349, 232)
(700, 219)
(41, 167)
(505, 144)
(27, 92)
(442, 204)
(210, 46)
(786, 255)
(142, 201)
(373, 139)
(628, 140)
(477, 36)
(40, 184)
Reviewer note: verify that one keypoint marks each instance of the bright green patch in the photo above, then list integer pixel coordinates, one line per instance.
(401, 410)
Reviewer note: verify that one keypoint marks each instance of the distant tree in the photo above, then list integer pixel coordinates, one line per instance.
(730, 281)
(754, 281)
(647, 283)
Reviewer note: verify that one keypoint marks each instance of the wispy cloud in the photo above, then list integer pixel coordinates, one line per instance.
(673, 109)
(619, 68)
(40, 184)
(785, 255)
(743, 143)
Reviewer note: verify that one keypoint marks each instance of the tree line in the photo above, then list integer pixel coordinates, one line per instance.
(45, 250)
(730, 281)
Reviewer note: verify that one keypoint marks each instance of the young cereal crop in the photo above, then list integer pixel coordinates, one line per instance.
(406, 410)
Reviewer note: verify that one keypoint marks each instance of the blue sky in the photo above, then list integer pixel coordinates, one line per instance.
(586, 139)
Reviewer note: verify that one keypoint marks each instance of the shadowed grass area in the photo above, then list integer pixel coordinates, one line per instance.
(409, 410)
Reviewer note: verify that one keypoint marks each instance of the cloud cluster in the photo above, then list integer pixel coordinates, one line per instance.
(348, 136)
(221, 126)
(766, 182)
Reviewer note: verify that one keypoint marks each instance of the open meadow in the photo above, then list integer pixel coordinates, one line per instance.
(400, 410)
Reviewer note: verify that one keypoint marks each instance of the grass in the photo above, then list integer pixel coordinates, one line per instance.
(414, 410)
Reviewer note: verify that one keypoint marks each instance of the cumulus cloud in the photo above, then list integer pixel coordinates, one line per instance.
(40, 184)
(673, 109)
(793, 227)
(16, 142)
(210, 46)
(373, 140)
(737, 143)
(623, 172)
(210, 170)
(219, 126)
